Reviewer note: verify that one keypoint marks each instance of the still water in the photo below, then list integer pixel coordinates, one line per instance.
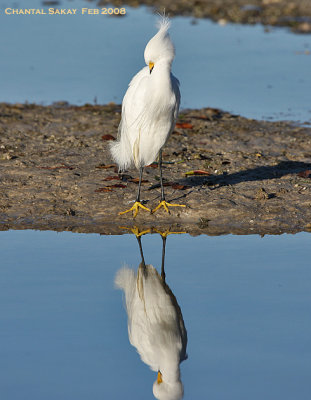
(245, 302)
(87, 58)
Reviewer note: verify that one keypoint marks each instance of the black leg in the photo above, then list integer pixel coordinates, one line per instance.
(139, 185)
(161, 177)
(163, 258)
(141, 250)
(137, 203)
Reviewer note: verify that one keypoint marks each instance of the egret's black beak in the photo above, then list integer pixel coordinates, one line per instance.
(151, 66)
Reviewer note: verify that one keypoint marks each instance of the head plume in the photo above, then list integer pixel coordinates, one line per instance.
(160, 47)
(163, 23)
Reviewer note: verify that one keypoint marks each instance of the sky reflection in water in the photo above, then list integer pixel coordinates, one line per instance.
(245, 302)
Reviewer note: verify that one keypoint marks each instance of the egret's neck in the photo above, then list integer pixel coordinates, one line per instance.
(162, 73)
(164, 65)
(171, 372)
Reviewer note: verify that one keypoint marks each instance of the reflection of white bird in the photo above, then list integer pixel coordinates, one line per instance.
(155, 325)
(149, 112)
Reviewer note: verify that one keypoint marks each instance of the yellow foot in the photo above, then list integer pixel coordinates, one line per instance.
(136, 230)
(165, 205)
(135, 209)
(167, 232)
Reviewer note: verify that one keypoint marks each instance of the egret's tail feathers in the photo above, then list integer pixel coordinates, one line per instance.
(125, 279)
(120, 154)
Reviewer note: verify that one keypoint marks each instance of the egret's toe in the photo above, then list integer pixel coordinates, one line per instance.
(135, 209)
(165, 205)
(167, 232)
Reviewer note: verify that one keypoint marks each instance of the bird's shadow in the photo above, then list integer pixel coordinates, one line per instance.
(249, 175)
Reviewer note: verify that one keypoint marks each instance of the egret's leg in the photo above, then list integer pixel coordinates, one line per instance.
(139, 184)
(164, 203)
(163, 258)
(141, 270)
(137, 204)
(141, 250)
(161, 176)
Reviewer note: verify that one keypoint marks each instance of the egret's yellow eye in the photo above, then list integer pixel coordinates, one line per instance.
(151, 65)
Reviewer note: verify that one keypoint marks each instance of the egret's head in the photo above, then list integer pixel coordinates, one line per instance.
(167, 390)
(160, 47)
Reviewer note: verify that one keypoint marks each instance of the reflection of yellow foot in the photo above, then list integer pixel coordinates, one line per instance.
(136, 231)
(165, 205)
(135, 209)
(167, 232)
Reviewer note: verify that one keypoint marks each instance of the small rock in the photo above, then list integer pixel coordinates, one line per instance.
(261, 194)
(70, 211)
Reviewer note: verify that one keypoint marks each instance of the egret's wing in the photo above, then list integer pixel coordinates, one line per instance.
(175, 85)
(133, 102)
(128, 132)
(135, 116)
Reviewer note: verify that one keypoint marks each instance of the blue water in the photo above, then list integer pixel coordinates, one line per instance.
(91, 58)
(245, 302)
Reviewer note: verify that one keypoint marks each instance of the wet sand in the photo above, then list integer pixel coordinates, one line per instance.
(295, 14)
(56, 173)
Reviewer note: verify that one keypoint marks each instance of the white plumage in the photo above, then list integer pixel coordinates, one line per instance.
(150, 105)
(155, 326)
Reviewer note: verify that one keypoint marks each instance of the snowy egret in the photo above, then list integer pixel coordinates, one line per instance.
(155, 324)
(149, 112)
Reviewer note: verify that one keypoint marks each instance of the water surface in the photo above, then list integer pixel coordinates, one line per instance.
(245, 302)
(89, 58)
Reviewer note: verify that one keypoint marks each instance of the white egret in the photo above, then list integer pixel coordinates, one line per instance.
(149, 112)
(155, 325)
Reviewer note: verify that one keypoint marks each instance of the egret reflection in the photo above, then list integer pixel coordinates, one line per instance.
(155, 324)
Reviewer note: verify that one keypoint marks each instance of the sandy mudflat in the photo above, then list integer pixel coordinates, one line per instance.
(56, 173)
